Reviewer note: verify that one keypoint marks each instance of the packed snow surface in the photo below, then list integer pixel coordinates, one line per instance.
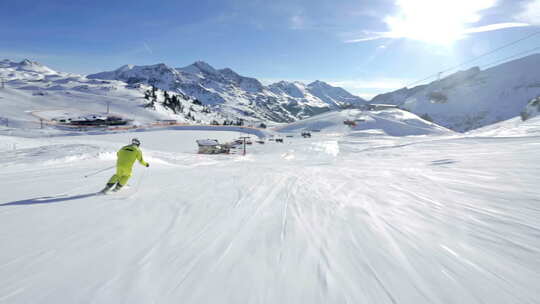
(336, 218)
(393, 122)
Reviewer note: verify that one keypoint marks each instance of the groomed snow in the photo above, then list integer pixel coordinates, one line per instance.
(392, 122)
(393, 209)
(336, 218)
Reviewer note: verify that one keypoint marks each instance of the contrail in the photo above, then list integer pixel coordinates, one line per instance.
(147, 48)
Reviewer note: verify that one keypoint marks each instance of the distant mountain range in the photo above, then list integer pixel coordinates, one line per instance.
(237, 96)
(462, 101)
(473, 98)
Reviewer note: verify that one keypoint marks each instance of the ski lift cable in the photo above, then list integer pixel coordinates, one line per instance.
(499, 61)
(476, 58)
(494, 63)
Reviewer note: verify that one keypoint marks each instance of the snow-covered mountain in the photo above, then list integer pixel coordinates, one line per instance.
(27, 66)
(473, 98)
(335, 96)
(30, 88)
(236, 95)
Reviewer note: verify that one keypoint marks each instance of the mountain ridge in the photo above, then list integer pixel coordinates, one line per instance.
(472, 98)
(462, 101)
(229, 92)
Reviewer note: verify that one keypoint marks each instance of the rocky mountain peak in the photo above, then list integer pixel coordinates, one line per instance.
(199, 67)
(318, 83)
(126, 67)
(228, 91)
(28, 62)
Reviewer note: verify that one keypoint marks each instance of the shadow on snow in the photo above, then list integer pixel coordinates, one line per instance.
(49, 199)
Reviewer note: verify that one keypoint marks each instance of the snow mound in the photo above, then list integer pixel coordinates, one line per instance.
(528, 124)
(514, 127)
(392, 122)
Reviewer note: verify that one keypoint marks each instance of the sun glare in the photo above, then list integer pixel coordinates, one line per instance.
(435, 21)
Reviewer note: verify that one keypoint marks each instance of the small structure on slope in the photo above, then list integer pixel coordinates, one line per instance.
(532, 109)
(380, 106)
(93, 120)
(212, 146)
(350, 123)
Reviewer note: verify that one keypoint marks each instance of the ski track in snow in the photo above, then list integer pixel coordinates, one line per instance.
(443, 219)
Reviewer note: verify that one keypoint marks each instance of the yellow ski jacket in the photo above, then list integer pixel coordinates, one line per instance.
(127, 156)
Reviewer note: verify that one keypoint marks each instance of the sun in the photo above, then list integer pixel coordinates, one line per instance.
(435, 21)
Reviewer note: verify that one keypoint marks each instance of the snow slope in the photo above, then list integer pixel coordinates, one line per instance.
(393, 122)
(514, 127)
(474, 98)
(331, 219)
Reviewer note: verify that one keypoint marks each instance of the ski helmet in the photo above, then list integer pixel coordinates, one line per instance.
(136, 142)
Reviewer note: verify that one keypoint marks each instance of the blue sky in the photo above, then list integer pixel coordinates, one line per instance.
(367, 47)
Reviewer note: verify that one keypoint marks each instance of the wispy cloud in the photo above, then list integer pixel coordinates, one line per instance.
(297, 22)
(530, 13)
(440, 21)
(494, 27)
(147, 48)
(370, 36)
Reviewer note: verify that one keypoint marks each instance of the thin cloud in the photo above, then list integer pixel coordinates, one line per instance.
(147, 48)
(439, 21)
(530, 13)
(494, 27)
(371, 36)
(297, 22)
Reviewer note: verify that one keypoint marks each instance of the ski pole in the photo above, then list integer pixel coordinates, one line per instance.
(99, 171)
(140, 181)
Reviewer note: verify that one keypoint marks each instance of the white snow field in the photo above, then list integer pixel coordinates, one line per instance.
(342, 217)
(393, 122)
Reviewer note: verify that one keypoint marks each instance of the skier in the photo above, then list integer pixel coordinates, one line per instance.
(126, 157)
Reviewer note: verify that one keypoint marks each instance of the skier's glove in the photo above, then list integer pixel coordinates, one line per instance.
(147, 165)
